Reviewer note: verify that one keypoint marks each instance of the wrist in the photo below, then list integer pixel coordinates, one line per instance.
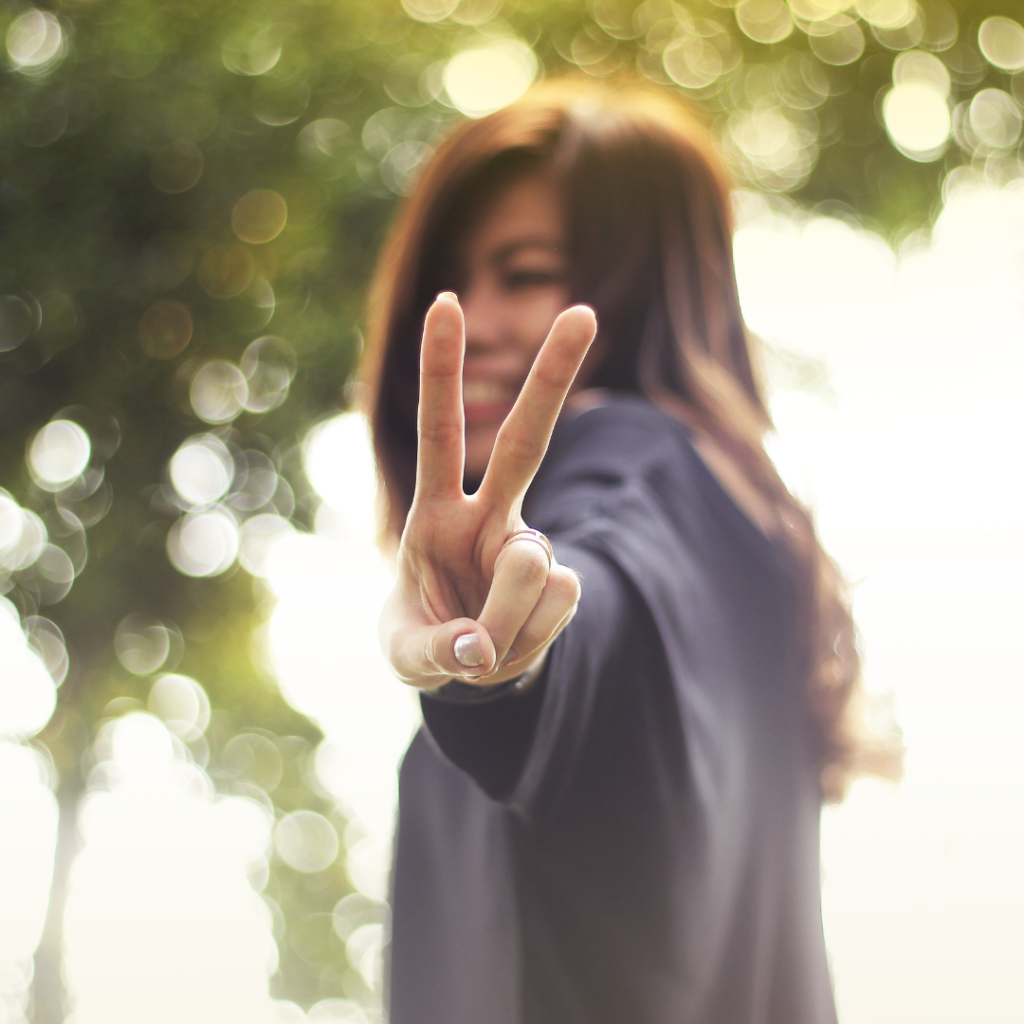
(458, 691)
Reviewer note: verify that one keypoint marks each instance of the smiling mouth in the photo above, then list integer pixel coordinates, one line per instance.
(491, 394)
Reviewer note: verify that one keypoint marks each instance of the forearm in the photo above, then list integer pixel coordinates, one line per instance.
(487, 732)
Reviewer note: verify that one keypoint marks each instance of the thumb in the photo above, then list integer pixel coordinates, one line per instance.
(430, 655)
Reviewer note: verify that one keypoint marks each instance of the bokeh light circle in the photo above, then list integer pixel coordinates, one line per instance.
(259, 536)
(306, 841)
(941, 26)
(58, 454)
(692, 62)
(181, 703)
(165, 329)
(918, 120)
(253, 53)
(202, 470)
(10, 523)
(590, 47)
(887, 13)
(46, 639)
(995, 118)
(141, 745)
(256, 483)
(27, 692)
(902, 37)
(810, 11)
(259, 216)
(482, 79)
(22, 534)
(203, 543)
(176, 167)
(35, 41)
(268, 365)
(343, 437)
(54, 574)
(764, 21)
(924, 68)
(430, 10)
(226, 270)
(1002, 42)
(324, 137)
(839, 42)
(771, 147)
(403, 160)
(254, 759)
(218, 392)
(16, 322)
(141, 644)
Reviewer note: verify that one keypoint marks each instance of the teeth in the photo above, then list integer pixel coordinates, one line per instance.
(484, 392)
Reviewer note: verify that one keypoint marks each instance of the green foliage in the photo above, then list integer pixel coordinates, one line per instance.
(122, 163)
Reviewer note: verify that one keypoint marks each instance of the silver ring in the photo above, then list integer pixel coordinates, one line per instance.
(532, 535)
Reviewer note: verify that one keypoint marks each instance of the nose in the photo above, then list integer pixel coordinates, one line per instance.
(483, 318)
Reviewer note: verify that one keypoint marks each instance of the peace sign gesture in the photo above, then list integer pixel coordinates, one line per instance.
(476, 598)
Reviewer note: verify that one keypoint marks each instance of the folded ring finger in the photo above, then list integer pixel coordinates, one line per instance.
(520, 574)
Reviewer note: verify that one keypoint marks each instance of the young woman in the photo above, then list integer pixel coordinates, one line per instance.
(631, 718)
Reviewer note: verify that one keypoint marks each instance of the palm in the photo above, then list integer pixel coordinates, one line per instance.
(450, 576)
(450, 544)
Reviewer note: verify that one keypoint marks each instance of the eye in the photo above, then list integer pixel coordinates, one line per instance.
(516, 280)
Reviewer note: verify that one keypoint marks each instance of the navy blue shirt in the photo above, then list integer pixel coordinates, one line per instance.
(634, 839)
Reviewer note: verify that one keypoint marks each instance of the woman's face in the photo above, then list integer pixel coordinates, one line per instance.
(514, 287)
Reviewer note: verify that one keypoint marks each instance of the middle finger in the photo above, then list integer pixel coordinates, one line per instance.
(523, 437)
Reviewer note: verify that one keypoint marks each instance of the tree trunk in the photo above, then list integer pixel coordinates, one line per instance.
(48, 990)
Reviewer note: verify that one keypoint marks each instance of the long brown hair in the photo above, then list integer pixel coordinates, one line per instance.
(649, 246)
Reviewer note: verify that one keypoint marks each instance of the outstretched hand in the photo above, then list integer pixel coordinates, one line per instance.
(470, 603)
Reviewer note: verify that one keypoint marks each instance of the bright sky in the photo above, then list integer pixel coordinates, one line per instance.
(912, 460)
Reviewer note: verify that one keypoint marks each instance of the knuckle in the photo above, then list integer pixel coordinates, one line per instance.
(439, 432)
(553, 378)
(520, 448)
(430, 654)
(530, 567)
(565, 587)
(523, 563)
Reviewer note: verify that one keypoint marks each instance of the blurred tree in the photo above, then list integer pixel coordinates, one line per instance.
(191, 194)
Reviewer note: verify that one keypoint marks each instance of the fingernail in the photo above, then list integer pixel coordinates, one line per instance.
(447, 295)
(467, 650)
(510, 657)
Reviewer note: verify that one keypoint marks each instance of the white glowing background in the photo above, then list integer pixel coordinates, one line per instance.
(162, 924)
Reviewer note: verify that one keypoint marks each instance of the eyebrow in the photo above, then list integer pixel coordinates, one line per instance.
(532, 242)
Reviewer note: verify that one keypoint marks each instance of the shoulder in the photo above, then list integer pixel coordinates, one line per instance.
(622, 414)
(626, 439)
(624, 460)
(622, 435)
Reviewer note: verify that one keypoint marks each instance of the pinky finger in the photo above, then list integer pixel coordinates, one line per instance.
(551, 614)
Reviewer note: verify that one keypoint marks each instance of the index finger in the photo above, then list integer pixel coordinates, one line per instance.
(440, 418)
(523, 437)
